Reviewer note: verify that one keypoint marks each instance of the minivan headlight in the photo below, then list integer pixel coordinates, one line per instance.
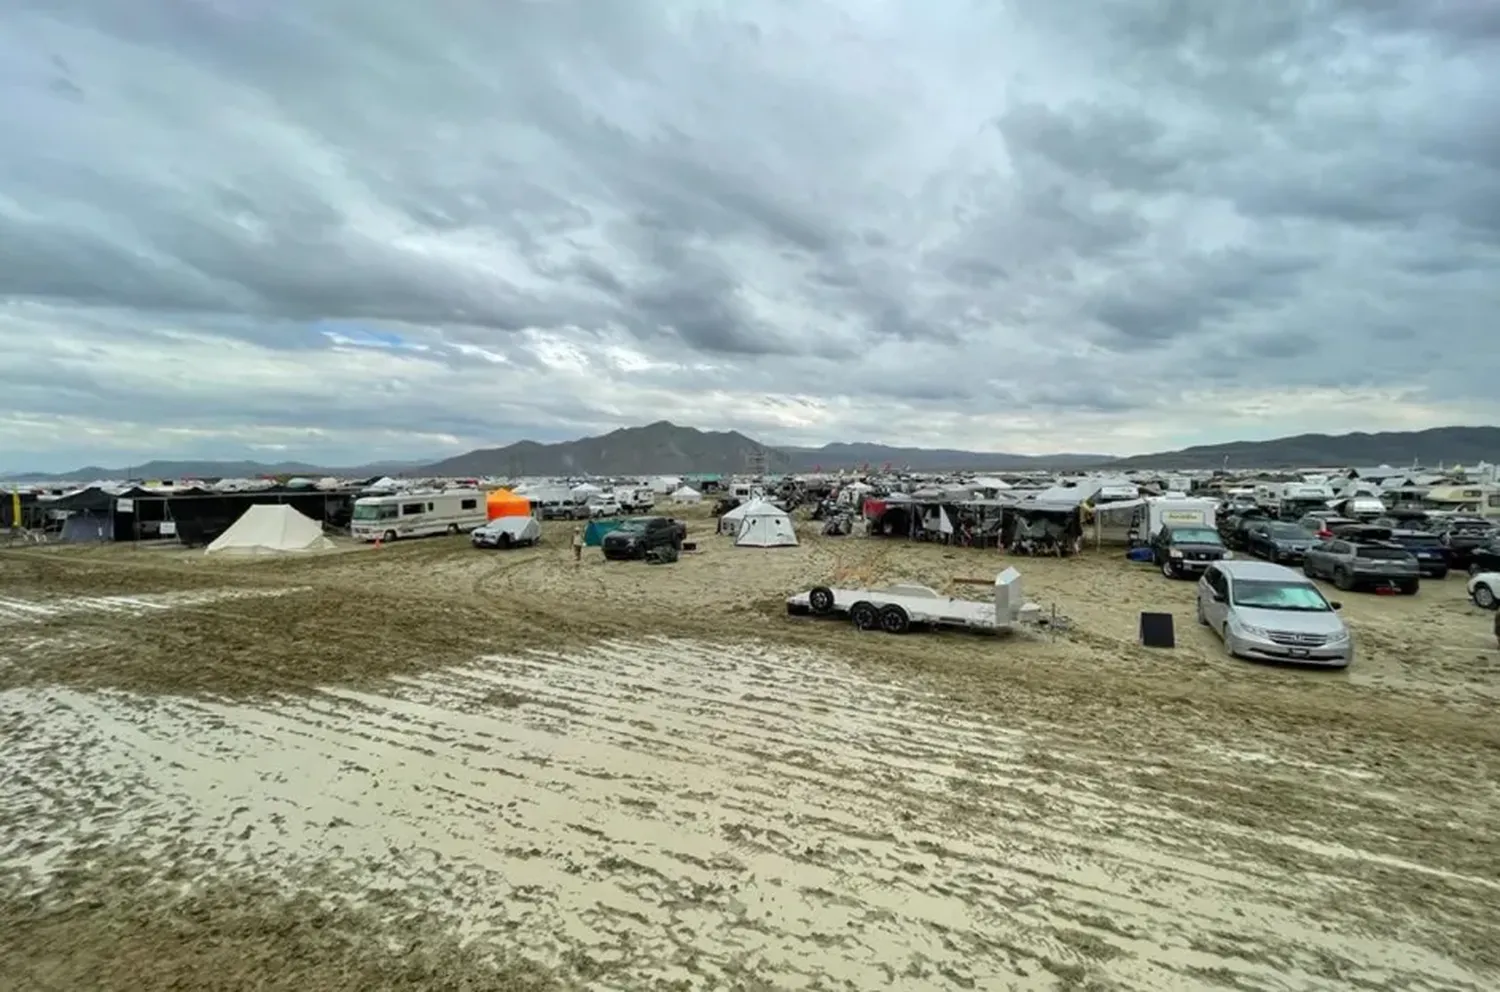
(1339, 636)
(1251, 629)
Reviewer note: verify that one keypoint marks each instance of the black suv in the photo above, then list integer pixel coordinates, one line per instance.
(1427, 548)
(1184, 551)
(1462, 536)
(1277, 541)
(1485, 559)
(635, 537)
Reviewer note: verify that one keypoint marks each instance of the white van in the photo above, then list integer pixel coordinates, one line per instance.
(416, 514)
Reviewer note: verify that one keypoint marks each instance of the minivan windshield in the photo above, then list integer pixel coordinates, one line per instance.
(1195, 535)
(1277, 594)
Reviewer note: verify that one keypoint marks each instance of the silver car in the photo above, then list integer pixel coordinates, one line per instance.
(1268, 612)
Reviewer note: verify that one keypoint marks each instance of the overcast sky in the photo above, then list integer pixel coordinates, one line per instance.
(338, 231)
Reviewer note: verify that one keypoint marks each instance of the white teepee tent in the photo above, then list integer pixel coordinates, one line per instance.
(270, 529)
(765, 525)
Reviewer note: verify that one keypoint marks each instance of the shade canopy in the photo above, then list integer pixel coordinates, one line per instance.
(504, 503)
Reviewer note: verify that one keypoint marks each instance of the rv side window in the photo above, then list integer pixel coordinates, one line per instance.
(1494, 500)
(411, 509)
(429, 507)
(469, 504)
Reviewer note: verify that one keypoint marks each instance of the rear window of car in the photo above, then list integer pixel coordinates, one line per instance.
(1380, 554)
(1418, 540)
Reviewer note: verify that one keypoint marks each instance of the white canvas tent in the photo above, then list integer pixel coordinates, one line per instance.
(687, 494)
(765, 525)
(270, 529)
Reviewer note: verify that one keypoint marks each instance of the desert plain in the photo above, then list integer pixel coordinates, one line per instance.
(426, 766)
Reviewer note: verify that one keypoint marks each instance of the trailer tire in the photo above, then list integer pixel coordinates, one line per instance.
(865, 616)
(894, 619)
(820, 599)
(452, 530)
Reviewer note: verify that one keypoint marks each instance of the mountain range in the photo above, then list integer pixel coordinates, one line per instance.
(663, 448)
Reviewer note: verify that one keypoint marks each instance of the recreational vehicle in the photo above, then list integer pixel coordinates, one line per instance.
(416, 514)
(1478, 500)
(1299, 498)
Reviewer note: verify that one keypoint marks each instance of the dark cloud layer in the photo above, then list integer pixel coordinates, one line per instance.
(451, 224)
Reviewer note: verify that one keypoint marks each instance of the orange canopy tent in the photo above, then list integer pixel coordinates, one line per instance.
(504, 503)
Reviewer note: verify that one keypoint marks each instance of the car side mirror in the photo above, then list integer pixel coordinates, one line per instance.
(1336, 604)
(1218, 597)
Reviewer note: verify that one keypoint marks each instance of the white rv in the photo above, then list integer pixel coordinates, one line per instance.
(416, 514)
(1156, 512)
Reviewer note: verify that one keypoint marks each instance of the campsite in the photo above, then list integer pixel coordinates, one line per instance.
(529, 770)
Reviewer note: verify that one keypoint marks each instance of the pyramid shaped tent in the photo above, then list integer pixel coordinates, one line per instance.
(270, 529)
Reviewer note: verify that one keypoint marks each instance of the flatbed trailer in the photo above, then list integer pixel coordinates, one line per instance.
(898, 608)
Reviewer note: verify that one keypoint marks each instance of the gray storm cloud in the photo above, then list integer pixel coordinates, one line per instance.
(946, 210)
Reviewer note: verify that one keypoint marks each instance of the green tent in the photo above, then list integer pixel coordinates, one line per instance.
(593, 534)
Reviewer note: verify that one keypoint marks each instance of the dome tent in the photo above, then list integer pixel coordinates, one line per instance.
(765, 525)
(504, 503)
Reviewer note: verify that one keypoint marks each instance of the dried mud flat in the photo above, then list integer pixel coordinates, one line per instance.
(429, 767)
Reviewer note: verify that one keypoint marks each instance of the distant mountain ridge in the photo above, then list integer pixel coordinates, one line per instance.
(211, 470)
(664, 448)
(1437, 445)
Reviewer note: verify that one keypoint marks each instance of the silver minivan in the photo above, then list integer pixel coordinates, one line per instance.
(1270, 613)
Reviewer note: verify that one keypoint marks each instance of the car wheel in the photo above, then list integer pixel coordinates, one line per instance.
(1409, 588)
(864, 616)
(821, 600)
(1307, 570)
(1343, 580)
(1440, 576)
(1484, 597)
(1167, 570)
(894, 620)
(388, 537)
(1199, 610)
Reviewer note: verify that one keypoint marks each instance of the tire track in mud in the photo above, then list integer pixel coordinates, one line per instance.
(673, 808)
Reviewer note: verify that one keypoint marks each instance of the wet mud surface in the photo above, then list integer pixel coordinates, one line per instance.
(428, 766)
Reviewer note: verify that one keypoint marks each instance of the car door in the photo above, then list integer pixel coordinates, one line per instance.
(1315, 562)
(1258, 540)
(1211, 592)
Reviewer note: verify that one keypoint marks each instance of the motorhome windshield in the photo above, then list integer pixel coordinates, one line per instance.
(1270, 594)
(375, 511)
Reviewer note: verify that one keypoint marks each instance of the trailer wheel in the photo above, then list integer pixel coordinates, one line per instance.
(865, 616)
(452, 529)
(821, 600)
(894, 619)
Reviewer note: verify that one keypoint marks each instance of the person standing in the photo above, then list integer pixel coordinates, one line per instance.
(577, 543)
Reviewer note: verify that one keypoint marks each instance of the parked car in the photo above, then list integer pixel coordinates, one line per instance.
(1268, 612)
(1462, 536)
(1350, 564)
(603, 505)
(1484, 590)
(1485, 559)
(1427, 548)
(1234, 528)
(639, 535)
(1276, 541)
(507, 532)
(1322, 524)
(1185, 550)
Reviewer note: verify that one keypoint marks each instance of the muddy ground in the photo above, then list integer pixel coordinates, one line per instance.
(427, 765)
